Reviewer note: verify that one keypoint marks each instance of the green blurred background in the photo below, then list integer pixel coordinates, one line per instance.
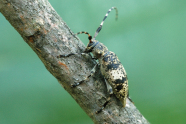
(149, 39)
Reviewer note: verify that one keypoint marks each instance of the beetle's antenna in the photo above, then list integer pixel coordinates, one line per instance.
(100, 27)
(83, 32)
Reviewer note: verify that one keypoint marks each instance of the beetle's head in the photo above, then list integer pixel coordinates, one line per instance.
(94, 46)
(97, 48)
(91, 45)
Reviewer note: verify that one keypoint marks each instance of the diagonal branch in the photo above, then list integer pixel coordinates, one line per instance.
(48, 35)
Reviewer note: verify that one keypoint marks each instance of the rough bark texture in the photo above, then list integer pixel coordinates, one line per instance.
(48, 35)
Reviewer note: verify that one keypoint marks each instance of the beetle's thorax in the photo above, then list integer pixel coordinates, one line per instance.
(99, 50)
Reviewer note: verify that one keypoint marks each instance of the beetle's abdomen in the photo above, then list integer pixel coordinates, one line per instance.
(115, 74)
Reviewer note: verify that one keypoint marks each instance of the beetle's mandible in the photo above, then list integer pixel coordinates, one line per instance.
(110, 66)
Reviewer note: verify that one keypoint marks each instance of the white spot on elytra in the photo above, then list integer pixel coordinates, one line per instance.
(117, 74)
(139, 121)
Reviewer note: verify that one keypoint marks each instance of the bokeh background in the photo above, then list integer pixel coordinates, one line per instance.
(149, 39)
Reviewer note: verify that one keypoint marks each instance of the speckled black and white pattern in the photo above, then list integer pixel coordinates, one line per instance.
(115, 74)
(112, 70)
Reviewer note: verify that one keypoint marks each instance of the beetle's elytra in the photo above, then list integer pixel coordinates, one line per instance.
(110, 66)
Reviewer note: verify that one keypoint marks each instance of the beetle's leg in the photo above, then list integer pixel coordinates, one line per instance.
(129, 97)
(61, 56)
(109, 88)
(104, 105)
(83, 54)
(91, 73)
(86, 55)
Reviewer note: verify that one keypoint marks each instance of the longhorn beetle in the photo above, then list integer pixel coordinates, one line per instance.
(110, 66)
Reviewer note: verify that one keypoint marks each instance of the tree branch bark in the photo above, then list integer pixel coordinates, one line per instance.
(48, 35)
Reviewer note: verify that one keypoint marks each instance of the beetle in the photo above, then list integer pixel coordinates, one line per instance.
(111, 68)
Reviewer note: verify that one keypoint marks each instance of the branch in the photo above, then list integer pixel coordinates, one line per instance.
(48, 35)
